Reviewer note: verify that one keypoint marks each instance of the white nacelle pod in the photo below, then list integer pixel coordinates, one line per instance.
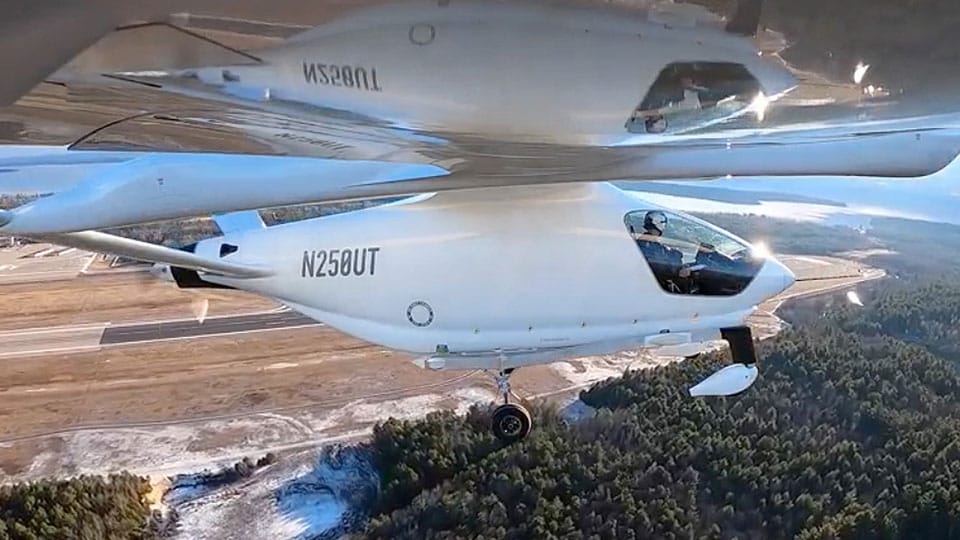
(729, 381)
(734, 379)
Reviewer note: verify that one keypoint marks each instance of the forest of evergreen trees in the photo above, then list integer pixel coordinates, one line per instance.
(851, 432)
(88, 507)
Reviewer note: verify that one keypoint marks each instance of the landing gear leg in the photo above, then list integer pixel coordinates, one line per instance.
(511, 421)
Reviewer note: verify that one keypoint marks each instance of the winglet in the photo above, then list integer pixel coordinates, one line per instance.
(746, 20)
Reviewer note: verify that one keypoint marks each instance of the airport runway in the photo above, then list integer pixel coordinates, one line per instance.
(91, 337)
(137, 333)
(96, 336)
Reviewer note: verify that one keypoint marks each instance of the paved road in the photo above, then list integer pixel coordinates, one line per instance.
(114, 335)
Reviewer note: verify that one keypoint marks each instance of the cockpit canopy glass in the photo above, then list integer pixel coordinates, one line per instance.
(691, 257)
(690, 95)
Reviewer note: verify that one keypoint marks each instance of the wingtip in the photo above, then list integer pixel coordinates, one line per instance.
(6, 217)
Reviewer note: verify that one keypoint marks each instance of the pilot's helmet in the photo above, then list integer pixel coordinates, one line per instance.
(655, 220)
(655, 123)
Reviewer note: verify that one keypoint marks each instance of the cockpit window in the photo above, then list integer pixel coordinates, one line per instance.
(690, 95)
(691, 257)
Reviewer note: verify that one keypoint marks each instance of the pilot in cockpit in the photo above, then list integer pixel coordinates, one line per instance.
(689, 94)
(666, 261)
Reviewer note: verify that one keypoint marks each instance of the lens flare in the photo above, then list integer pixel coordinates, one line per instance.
(761, 251)
(860, 72)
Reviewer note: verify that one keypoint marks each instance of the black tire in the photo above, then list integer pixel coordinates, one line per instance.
(511, 422)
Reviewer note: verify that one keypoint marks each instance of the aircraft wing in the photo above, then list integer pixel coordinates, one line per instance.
(157, 186)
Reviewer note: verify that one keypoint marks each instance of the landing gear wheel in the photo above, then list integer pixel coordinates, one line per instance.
(511, 422)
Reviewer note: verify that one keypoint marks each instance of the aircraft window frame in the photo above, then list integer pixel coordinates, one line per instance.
(695, 94)
(689, 256)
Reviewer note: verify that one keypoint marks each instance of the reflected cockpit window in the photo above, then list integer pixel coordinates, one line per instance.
(690, 95)
(691, 257)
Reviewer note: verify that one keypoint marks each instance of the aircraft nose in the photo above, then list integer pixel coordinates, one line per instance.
(774, 278)
(789, 278)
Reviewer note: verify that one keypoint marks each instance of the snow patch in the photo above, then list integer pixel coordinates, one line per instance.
(590, 370)
(471, 396)
(307, 508)
(576, 411)
(311, 494)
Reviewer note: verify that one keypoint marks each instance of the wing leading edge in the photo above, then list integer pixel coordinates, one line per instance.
(107, 243)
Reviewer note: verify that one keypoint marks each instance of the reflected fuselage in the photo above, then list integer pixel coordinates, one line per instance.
(519, 71)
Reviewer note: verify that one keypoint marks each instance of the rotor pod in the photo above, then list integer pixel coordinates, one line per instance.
(735, 378)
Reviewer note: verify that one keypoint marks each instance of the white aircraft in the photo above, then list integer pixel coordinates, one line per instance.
(496, 279)
(503, 121)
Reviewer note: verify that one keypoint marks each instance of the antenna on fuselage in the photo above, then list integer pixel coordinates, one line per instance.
(746, 20)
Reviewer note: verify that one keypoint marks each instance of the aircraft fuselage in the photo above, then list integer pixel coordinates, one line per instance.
(474, 272)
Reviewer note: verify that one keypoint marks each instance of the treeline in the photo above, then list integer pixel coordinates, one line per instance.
(83, 507)
(849, 433)
(918, 250)
(794, 237)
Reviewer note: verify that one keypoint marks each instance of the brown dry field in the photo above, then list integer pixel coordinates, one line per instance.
(115, 297)
(221, 376)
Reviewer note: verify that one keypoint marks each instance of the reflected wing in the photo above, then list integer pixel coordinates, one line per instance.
(197, 119)
(107, 243)
(111, 113)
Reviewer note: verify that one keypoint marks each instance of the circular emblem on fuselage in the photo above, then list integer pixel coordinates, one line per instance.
(422, 34)
(420, 314)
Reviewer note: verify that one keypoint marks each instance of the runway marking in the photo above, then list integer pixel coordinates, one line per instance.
(281, 365)
(810, 260)
(86, 265)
